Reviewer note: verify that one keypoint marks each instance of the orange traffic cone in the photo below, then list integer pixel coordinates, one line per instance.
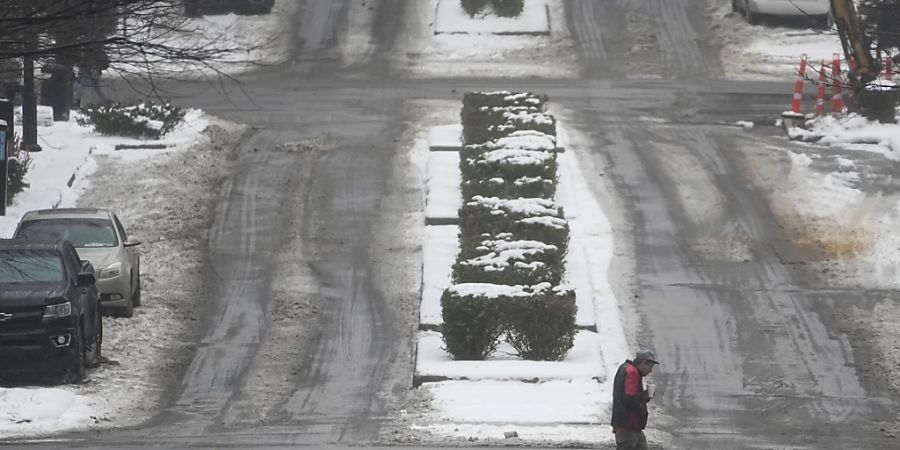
(820, 91)
(837, 101)
(798, 91)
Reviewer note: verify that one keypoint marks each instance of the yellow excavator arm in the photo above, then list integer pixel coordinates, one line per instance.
(857, 46)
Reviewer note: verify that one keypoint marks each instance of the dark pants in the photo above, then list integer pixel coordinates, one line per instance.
(631, 440)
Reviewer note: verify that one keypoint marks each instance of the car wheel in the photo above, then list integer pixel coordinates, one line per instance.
(136, 292)
(74, 374)
(126, 311)
(94, 350)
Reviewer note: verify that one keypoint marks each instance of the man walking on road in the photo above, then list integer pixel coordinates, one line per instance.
(629, 409)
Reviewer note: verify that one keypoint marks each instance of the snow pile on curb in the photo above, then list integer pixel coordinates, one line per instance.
(852, 129)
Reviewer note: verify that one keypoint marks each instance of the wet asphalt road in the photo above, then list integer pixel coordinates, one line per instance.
(751, 356)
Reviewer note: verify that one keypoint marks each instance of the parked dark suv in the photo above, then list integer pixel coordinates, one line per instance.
(196, 8)
(49, 309)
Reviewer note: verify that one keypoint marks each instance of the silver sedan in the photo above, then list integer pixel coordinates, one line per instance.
(100, 238)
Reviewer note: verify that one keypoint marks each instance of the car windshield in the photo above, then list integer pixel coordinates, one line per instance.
(26, 266)
(81, 232)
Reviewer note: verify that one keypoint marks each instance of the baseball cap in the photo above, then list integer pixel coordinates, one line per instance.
(646, 355)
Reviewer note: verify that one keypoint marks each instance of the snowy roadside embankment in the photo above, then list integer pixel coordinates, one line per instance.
(852, 131)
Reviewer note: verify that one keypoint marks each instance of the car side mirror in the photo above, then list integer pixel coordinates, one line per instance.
(132, 243)
(85, 279)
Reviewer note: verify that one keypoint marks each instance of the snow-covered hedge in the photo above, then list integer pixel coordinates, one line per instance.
(145, 120)
(532, 219)
(542, 326)
(504, 261)
(522, 164)
(473, 319)
(530, 187)
(538, 321)
(513, 238)
(501, 8)
(489, 116)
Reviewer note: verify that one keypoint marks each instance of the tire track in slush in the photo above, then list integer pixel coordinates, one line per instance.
(334, 399)
(828, 372)
(245, 229)
(681, 57)
(744, 339)
(584, 19)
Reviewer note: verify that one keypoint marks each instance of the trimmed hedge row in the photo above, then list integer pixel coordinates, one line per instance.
(511, 262)
(531, 219)
(513, 238)
(538, 321)
(530, 187)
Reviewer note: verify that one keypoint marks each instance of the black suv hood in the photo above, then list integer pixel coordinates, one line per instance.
(29, 294)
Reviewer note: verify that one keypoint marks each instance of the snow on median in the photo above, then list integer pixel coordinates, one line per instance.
(543, 401)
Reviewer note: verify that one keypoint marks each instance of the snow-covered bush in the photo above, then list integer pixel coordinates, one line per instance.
(483, 112)
(522, 187)
(491, 174)
(509, 164)
(508, 8)
(538, 321)
(473, 320)
(473, 7)
(542, 326)
(513, 238)
(510, 262)
(501, 8)
(533, 219)
(145, 120)
(17, 167)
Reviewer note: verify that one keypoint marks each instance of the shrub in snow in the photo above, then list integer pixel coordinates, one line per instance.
(531, 140)
(513, 238)
(482, 112)
(473, 320)
(511, 262)
(473, 7)
(476, 100)
(508, 8)
(479, 125)
(142, 120)
(542, 326)
(534, 219)
(17, 166)
(509, 164)
(524, 187)
(538, 321)
(523, 120)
